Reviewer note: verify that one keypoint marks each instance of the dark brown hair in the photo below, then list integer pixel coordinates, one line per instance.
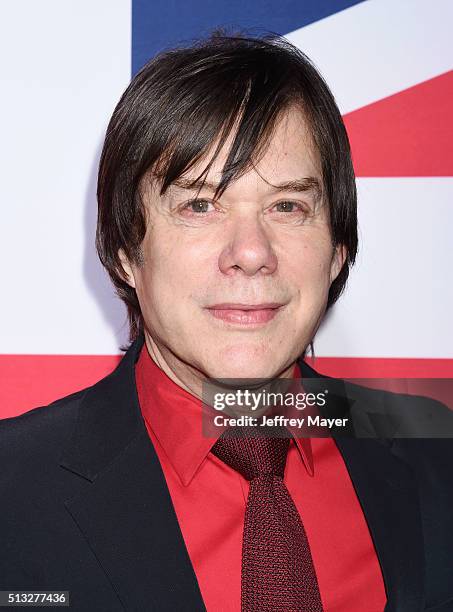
(180, 103)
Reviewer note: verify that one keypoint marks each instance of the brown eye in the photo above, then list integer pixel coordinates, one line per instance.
(197, 206)
(288, 206)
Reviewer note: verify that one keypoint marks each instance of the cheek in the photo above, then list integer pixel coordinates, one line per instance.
(310, 266)
(172, 274)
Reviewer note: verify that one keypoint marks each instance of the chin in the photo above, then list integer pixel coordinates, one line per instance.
(244, 369)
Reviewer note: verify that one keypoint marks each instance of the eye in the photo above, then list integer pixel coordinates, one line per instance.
(196, 206)
(289, 206)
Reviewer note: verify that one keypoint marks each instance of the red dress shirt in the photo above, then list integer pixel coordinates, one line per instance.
(209, 499)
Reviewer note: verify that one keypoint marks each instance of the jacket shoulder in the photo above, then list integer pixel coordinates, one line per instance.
(413, 415)
(39, 432)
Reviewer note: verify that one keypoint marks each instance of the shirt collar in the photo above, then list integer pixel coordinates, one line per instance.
(174, 415)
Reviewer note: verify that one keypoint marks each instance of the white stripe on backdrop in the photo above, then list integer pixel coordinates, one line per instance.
(379, 47)
(64, 67)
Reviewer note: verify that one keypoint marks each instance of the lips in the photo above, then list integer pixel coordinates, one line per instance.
(245, 314)
(241, 306)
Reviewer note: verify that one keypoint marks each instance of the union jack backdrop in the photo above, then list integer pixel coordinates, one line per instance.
(65, 64)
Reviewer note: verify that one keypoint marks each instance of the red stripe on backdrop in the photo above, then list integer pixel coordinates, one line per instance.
(428, 377)
(407, 134)
(372, 367)
(28, 381)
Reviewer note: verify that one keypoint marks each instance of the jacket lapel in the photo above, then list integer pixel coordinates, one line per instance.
(125, 510)
(386, 488)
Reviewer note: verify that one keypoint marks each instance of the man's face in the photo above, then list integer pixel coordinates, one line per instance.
(207, 262)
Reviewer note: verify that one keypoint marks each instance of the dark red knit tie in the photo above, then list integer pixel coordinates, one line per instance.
(277, 568)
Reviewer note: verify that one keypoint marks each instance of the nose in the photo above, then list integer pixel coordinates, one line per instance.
(247, 247)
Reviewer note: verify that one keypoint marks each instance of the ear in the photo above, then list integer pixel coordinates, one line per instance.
(338, 259)
(127, 271)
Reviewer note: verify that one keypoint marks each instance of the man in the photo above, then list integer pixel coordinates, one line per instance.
(227, 223)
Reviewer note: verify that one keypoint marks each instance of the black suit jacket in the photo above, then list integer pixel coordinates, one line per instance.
(85, 506)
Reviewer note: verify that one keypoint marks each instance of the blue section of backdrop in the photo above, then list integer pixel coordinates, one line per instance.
(158, 24)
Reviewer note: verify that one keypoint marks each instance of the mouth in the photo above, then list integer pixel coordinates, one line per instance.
(246, 315)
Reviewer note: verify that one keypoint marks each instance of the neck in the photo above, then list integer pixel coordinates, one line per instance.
(184, 374)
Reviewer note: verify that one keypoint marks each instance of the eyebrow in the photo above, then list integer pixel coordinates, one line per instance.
(309, 183)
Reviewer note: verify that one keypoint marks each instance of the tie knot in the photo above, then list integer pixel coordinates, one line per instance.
(253, 452)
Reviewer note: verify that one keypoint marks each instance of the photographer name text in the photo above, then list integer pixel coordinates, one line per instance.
(279, 420)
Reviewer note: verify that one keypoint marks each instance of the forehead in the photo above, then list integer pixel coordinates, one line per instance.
(288, 155)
